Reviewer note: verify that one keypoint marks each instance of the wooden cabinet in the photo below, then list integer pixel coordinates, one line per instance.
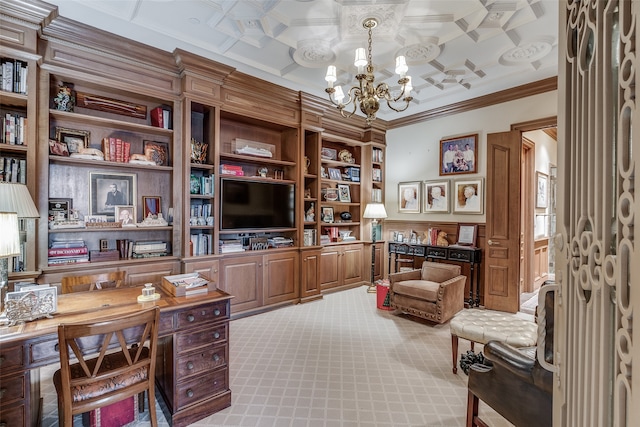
(310, 274)
(341, 266)
(540, 262)
(19, 395)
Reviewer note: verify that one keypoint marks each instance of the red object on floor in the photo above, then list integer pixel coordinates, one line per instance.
(115, 415)
(382, 293)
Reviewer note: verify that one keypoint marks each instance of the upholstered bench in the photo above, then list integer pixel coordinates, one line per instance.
(482, 326)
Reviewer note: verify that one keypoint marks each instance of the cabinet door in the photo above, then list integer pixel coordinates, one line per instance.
(150, 273)
(330, 267)
(207, 268)
(352, 264)
(310, 277)
(281, 272)
(242, 278)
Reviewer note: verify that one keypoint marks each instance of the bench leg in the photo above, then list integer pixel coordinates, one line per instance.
(454, 352)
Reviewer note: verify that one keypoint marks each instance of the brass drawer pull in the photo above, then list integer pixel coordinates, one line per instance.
(216, 335)
(190, 365)
(216, 357)
(216, 312)
(189, 393)
(191, 318)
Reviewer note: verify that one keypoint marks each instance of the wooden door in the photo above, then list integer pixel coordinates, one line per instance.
(281, 277)
(330, 270)
(352, 263)
(502, 254)
(310, 275)
(242, 277)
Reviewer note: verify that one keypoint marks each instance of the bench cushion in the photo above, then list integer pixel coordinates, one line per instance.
(482, 326)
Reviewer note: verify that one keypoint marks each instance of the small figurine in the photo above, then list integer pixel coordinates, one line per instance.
(310, 214)
(263, 172)
(65, 99)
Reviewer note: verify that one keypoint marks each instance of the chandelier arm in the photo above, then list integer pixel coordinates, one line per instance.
(398, 110)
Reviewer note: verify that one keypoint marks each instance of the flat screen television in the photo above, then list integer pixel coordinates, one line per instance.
(249, 204)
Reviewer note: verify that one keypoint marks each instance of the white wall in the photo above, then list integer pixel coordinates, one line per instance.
(413, 152)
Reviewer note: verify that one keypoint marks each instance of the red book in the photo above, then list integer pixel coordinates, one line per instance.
(126, 152)
(157, 117)
(105, 148)
(119, 156)
(112, 149)
(68, 251)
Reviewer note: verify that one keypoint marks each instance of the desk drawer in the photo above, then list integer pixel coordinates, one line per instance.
(434, 252)
(13, 388)
(460, 255)
(206, 359)
(201, 388)
(191, 317)
(11, 358)
(188, 341)
(13, 415)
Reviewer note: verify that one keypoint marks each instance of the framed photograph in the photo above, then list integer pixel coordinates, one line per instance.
(344, 193)
(467, 234)
(399, 237)
(542, 189)
(330, 194)
(459, 155)
(126, 214)
(60, 209)
(157, 152)
(74, 139)
(409, 197)
(108, 190)
(468, 196)
(334, 173)
(328, 153)
(436, 197)
(327, 214)
(151, 206)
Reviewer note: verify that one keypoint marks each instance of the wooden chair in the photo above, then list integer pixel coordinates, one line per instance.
(125, 347)
(92, 282)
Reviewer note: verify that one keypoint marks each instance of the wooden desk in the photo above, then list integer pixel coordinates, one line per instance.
(192, 373)
(451, 253)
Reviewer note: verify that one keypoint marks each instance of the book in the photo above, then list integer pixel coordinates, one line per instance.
(67, 244)
(55, 252)
(157, 117)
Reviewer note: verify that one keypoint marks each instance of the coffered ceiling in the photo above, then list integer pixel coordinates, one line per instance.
(456, 49)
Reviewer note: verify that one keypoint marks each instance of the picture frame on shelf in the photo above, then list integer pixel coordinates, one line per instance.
(334, 173)
(409, 197)
(327, 214)
(60, 209)
(151, 206)
(73, 138)
(57, 148)
(344, 193)
(468, 196)
(467, 235)
(126, 214)
(542, 190)
(328, 153)
(459, 155)
(331, 194)
(107, 190)
(158, 152)
(436, 197)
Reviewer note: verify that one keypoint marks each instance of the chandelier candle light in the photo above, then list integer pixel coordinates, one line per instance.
(367, 95)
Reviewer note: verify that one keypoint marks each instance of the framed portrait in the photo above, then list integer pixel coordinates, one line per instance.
(467, 234)
(108, 190)
(436, 197)
(542, 189)
(468, 196)
(459, 155)
(60, 209)
(126, 214)
(74, 139)
(157, 152)
(151, 205)
(334, 173)
(327, 214)
(344, 193)
(409, 197)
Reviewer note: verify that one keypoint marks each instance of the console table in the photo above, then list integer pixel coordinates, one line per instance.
(466, 254)
(192, 373)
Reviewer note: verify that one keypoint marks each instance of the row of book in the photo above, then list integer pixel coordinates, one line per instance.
(14, 129)
(161, 117)
(14, 75)
(230, 245)
(13, 169)
(377, 175)
(203, 185)
(432, 236)
(376, 195)
(201, 211)
(62, 252)
(377, 155)
(201, 244)
(116, 150)
(231, 170)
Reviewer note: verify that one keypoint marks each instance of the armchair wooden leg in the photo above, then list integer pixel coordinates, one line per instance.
(472, 409)
(454, 352)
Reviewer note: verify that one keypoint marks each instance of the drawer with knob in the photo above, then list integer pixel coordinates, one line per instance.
(13, 415)
(13, 388)
(201, 387)
(187, 341)
(189, 318)
(205, 359)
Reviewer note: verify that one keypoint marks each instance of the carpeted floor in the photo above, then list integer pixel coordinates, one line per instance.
(335, 362)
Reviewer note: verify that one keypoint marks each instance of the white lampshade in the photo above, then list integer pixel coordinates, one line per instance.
(15, 197)
(339, 95)
(408, 87)
(375, 211)
(331, 75)
(361, 57)
(10, 242)
(401, 66)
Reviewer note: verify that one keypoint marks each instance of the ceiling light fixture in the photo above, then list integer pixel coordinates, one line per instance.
(367, 95)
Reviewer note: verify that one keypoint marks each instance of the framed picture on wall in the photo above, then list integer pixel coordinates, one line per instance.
(542, 189)
(436, 197)
(108, 190)
(459, 155)
(468, 196)
(409, 197)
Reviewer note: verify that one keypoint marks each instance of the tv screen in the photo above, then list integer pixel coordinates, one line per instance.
(256, 204)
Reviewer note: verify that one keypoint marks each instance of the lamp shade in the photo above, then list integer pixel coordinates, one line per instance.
(375, 211)
(10, 242)
(15, 197)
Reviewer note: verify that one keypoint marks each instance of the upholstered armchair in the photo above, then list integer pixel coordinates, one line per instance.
(516, 382)
(435, 292)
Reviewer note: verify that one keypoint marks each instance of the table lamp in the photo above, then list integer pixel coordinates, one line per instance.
(15, 203)
(374, 211)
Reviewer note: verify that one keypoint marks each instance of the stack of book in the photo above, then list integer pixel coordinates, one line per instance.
(116, 150)
(201, 244)
(14, 128)
(14, 75)
(231, 245)
(149, 249)
(13, 169)
(231, 170)
(68, 252)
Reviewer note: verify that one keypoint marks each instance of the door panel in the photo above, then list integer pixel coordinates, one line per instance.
(502, 271)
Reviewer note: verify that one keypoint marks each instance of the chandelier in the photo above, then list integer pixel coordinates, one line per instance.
(366, 94)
